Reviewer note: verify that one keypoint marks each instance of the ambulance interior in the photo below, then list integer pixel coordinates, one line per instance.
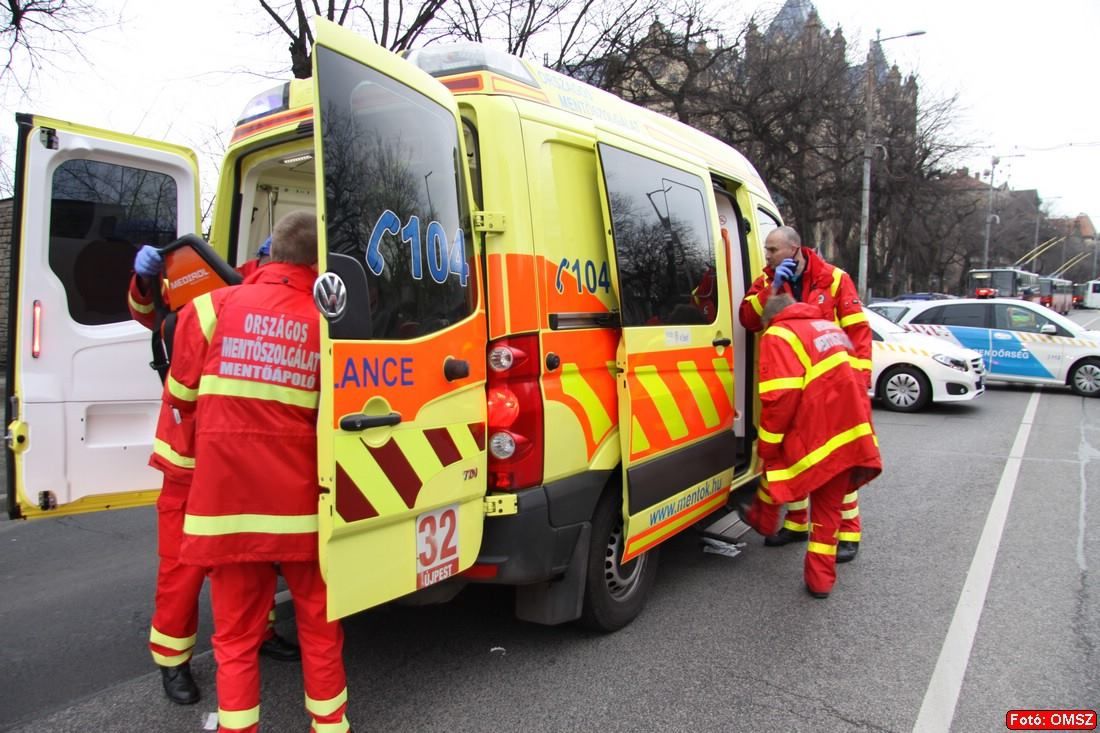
(275, 182)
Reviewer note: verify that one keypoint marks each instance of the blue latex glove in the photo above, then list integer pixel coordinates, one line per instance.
(148, 262)
(784, 272)
(264, 249)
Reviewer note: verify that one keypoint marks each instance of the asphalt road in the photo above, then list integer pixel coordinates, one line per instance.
(975, 592)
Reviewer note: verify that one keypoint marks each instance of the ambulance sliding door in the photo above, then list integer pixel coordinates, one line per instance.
(401, 442)
(675, 358)
(82, 399)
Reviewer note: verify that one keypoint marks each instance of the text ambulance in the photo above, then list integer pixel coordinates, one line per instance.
(531, 372)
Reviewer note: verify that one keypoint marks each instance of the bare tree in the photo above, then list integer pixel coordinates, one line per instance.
(394, 24)
(37, 30)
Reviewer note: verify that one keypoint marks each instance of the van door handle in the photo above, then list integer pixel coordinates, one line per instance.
(455, 369)
(359, 421)
(721, 342)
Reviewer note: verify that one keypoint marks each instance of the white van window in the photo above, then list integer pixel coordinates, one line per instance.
(663, 241)
(766, 223)
(100, 214)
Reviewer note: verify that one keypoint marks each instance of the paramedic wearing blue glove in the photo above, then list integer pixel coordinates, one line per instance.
(801, 273)
(176, 602)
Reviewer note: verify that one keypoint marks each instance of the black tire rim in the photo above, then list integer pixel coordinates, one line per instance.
(621, 579)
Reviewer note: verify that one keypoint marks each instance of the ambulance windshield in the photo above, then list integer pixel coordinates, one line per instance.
(394, 199)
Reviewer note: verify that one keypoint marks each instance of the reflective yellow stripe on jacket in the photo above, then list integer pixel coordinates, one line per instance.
(139, 307)
(821, 453)
(214, 526)
(211, 384)
(165, 451)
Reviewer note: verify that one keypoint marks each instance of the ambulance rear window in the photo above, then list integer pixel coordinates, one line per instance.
(663, 243)
(394, 203)
(100, 214)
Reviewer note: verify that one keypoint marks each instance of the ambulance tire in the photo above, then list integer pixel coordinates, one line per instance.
(614, 594)
(1084, 378)
(904, 389)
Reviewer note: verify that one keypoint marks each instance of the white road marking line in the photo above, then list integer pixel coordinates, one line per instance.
(942, 695)
(282, 597)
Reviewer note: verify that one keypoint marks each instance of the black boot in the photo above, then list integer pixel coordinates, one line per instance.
(179, 686)
(846, 551)
(280, 649)
(785, 537)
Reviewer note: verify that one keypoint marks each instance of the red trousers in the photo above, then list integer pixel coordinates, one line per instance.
(241, 597)
(176, 603)
(797, 519)
(819, 569)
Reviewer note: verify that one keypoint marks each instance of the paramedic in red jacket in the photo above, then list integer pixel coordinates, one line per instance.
(175, 622)
(799, 272)
(817, 419)
(247, 363)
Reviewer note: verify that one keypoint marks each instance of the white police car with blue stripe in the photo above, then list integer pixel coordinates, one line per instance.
(1019, 341)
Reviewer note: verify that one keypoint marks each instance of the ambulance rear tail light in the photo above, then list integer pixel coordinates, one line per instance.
(515, 414)
(36, 329)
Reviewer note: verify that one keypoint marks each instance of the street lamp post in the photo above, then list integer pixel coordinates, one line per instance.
(868, 152)
(989, 215)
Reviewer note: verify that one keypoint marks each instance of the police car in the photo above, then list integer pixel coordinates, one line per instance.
(909, 370)
(1020, 341)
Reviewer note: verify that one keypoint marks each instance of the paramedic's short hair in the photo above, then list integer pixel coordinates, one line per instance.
(294, 239)
(791, 235)
(776, 303)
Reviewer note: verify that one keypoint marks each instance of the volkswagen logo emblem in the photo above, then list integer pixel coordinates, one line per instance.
(330, 296)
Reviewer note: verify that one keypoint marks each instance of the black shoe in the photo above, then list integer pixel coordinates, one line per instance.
(846, 551)
(280, 649)
(817, 593)
(179, 686)
(785, 537)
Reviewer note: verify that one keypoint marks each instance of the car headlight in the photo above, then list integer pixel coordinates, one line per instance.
(951, 361)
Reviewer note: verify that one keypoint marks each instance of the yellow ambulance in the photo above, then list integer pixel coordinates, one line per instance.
(532, 373)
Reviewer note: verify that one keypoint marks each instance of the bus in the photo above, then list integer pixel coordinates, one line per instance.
(1003, 282)
(1092, 294)
(1079, 290)
(1056, 293)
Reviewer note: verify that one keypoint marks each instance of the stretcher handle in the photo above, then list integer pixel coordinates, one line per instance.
(359, 421)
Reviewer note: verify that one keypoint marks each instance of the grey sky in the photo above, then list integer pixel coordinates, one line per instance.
(1024, 79)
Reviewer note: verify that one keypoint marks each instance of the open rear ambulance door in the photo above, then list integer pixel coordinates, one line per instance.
(675, 354)
(82, 401)
(401, 436)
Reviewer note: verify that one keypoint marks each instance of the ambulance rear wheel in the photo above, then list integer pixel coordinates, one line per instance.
(614, 592)
(904, 389)
(1085, 378)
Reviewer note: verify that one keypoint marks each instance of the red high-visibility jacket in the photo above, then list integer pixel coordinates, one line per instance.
(247, 363)
(828, 288)
(815, 418)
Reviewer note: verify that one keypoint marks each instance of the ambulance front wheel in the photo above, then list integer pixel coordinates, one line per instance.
(614, 592)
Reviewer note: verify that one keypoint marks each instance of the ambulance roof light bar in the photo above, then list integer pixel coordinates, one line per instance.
(275, 99)
(468, 56)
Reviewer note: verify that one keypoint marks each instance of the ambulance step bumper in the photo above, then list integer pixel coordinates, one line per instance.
(728, 528)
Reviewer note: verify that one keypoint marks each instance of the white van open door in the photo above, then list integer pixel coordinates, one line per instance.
(82, 400)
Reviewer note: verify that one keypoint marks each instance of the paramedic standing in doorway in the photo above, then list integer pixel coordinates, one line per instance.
(819, 447)
(247, 364)
(799, 272)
